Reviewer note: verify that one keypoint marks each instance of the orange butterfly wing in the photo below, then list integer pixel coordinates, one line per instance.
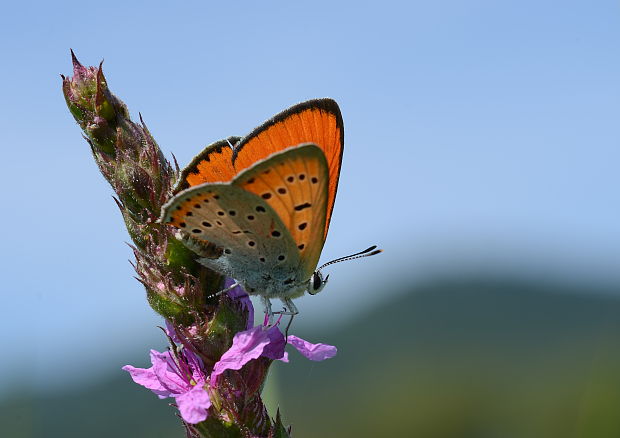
(317, 121)
(213, 164)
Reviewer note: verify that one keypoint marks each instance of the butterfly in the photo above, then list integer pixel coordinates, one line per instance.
(257, 209)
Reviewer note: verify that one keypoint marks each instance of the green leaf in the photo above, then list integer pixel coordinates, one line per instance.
(279, 431)
(214, 428)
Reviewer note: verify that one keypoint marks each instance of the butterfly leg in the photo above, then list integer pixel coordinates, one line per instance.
(289, 308)
(288, 326)
(268, 311)
(292, 311)
(292, 308)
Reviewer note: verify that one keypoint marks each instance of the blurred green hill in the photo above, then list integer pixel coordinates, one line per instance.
(469, 358)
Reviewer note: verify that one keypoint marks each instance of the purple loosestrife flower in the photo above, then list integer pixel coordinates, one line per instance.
(180, 377)
(268, 342)
(253, 340)
(251, 344)
(184, 376)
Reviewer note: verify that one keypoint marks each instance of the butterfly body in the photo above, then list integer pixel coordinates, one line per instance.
(265, 203)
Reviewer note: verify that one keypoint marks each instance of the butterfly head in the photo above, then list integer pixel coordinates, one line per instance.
(317, 282)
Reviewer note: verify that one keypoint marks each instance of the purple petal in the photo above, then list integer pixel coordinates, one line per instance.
(170, 331)
(196, 367)
(275, 349)
(312, 351)
(193, 404)
(147, 378)
(247, 345)
(167, 372)
(243, 297)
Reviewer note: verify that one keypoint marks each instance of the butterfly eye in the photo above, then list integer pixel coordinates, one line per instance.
(317, 283)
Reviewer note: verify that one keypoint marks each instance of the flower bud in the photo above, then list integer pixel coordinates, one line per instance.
(94, 107)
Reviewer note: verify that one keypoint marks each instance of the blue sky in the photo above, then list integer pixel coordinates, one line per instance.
(479, 136)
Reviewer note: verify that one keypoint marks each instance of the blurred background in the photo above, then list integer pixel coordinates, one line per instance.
(482, 153)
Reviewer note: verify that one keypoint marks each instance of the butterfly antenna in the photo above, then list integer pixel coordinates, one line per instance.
(358, 255)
